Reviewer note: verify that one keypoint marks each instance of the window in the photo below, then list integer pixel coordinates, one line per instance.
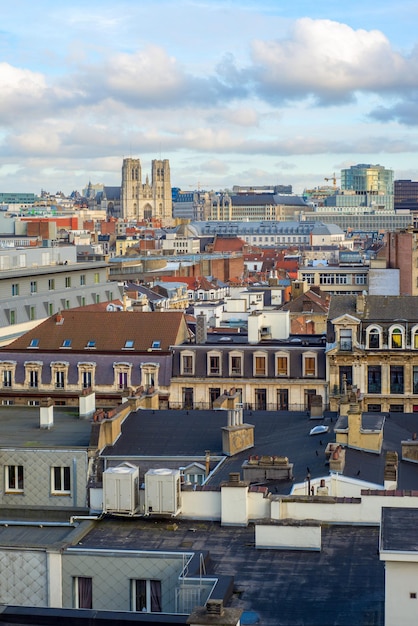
(187, 364)
(282, 399)
(146, 596)
(33, 286)
(60, 480)
(346, 339)
(82, 279)
(96, 277)
(122, 380)
(91, 343)
(68, 281)
(260, 365)
(86, 379)
(309, 365)
(188, 400)
(374, 379)
(129, 344)
(66, 343)
(235, 364)
(282, 363)
(374, 336)
(260, 397)
(34, 343)
(7, 378)
(12, 317)
(33, 378)
(97, 298)
(59, 379)
(214, 364)
(396, 379)
(50, 309)
(14, 478)
(15, 289)
(415, 378)
(396, 338)
(214, 394)
(83, 592)
(51, 284)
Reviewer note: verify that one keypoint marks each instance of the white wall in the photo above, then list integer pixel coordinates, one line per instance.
(201, 505)
(288, 537)
(401, 579)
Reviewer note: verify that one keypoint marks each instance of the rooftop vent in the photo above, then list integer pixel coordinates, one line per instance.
(214, 607)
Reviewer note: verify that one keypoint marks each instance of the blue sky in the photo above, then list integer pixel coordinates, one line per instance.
(249, 92)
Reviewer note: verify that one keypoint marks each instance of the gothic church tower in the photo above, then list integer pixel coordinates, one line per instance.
(142, 201)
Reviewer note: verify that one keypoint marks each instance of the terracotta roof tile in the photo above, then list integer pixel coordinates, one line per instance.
(108, 330)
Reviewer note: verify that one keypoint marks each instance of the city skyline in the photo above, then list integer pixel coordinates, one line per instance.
(230, 92)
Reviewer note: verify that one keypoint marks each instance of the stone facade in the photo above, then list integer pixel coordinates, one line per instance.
(142, 201)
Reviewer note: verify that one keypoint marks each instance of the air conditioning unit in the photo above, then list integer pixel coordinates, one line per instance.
(121, 489)
(162, 492)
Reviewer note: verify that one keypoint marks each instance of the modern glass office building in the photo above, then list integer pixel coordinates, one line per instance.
(363, 178)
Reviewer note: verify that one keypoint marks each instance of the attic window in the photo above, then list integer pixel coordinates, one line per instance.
(156, 345)
(34, 343)
(91, 343)
(129, 343)
(66, 343)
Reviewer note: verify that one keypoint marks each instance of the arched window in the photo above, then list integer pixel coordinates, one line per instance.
(396, 337)
(374, 337)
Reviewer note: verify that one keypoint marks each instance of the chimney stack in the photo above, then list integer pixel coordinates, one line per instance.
(201, 329)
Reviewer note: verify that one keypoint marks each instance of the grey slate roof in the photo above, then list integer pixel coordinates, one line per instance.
(378, 308)
(399, 529)
(181, 434)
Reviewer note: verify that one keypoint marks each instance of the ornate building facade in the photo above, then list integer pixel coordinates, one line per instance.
(142, 201)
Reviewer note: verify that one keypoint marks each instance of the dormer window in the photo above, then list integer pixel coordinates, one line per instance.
(396, 337)
(34, 343)
(374, 337)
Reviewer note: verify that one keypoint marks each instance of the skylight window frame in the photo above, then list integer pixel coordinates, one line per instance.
(34, 343)
(129, 344)
(91, 344)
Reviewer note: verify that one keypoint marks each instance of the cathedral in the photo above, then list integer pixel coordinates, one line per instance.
(142, 201)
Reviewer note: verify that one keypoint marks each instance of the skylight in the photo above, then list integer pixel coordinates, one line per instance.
(156, 345)
(66, 343)
(91, 343)
(34, 343)
(129, 343)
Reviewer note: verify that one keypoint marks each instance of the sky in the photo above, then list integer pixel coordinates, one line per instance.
(248, 92)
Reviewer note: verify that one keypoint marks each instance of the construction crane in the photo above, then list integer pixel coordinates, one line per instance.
(334, 179)
(199, 186)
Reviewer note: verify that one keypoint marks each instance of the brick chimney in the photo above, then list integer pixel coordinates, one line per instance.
(214, 613)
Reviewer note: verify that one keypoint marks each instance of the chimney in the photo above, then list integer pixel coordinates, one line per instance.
(360, 303)
(216, 614)
(390, 475)
(46, 413)
(59, 318)
(201, 329)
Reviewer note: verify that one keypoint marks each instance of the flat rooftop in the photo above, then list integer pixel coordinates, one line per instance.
(182, 436)
(343, 584)
(20, 427)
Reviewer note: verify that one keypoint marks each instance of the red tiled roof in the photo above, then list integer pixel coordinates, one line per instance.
(108, 330)
(228, 244)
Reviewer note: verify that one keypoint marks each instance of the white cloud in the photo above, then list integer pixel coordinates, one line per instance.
(327, 59)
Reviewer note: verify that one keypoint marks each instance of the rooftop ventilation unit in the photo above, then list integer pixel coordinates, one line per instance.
(121, 489)
(162, 492)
